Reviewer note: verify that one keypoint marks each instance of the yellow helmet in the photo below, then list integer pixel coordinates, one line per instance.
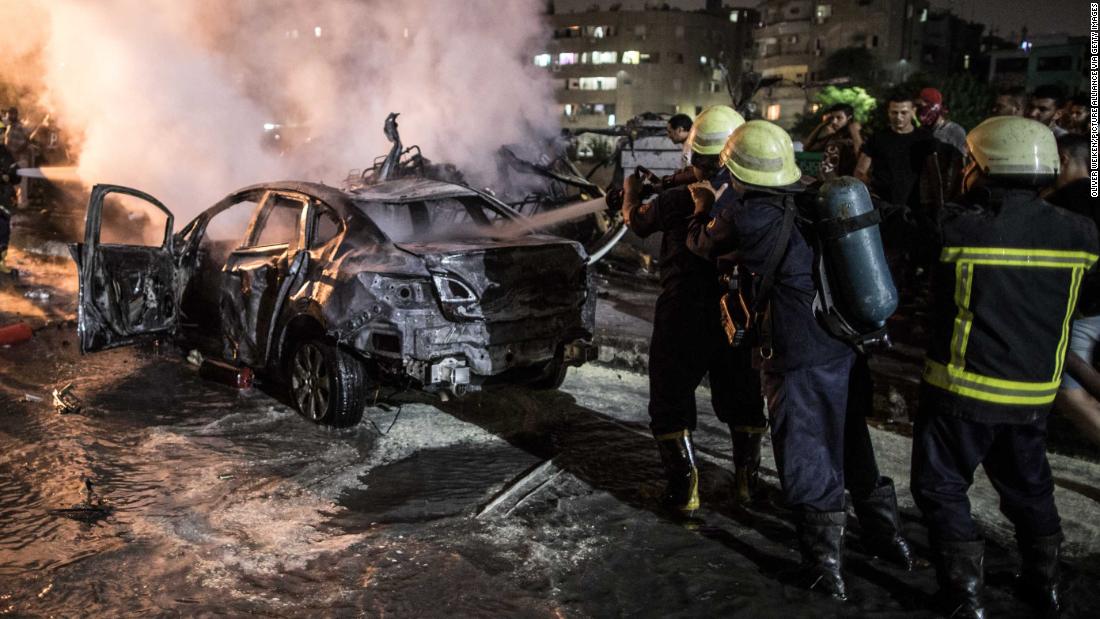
(711, 129)
(1014, 146)
(760, 153)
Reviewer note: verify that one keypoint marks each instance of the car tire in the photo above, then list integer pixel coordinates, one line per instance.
(327, 385)
(553, 375)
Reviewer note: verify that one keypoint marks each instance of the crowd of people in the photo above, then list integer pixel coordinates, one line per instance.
(997, 226)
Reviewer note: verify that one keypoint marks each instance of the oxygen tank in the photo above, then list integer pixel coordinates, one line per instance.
(856, 281)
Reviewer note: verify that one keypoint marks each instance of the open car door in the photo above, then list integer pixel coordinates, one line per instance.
(127, 290)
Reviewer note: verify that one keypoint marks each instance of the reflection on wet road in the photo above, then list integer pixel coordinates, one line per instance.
(511, 503)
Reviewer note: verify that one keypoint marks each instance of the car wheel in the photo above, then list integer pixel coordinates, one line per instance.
(327, 385)
(553, 375)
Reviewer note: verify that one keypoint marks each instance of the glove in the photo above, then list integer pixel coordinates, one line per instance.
(632, 186)
(702, 194)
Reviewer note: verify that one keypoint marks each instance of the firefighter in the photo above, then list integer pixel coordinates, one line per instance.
(8, 179)
(687, 342)
(806, 372)
(1005, 288)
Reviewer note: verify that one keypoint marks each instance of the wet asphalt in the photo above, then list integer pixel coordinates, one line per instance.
(167, 495)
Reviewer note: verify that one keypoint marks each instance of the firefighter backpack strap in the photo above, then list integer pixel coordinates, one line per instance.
(771, 266)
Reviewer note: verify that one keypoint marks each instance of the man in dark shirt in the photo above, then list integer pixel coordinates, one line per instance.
(891, 165)
(891, 161)
(687, 342)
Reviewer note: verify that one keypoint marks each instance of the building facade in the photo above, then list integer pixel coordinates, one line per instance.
(952, 44)
(611, 65)
(1034, 62)
(795, 37)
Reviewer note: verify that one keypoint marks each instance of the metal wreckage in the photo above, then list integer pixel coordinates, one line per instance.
(406, 276)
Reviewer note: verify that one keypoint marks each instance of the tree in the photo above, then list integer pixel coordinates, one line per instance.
(855, 63)
(863, 104)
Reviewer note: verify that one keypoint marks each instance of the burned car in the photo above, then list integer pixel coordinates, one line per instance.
(413, 282)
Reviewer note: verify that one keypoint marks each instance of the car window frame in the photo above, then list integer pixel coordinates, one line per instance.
(317, 209)
(259, 220)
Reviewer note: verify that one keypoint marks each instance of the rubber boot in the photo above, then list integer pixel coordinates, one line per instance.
(4, 268)
(1040, 575)
(746, 464)
(878, 518)
(821, 541)
(960, 569)
(678, 456)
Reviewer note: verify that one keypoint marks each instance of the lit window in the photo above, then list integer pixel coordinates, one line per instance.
(772, 112)
(924, 15)
(605, 57)
(317, 31)
(542, 60)
(702, 60)
(565, 58)
(814, 108)
(610, 120)
(734, 16)
(966, 61)
(824, 12)
(597, 83)
(598, 30)
(568, 109)
(632, 57)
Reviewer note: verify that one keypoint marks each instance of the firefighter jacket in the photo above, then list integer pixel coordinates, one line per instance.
(1004, 291)
(743, 230)
(668, 213)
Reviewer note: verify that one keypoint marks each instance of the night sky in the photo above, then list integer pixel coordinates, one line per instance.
(1040, 16)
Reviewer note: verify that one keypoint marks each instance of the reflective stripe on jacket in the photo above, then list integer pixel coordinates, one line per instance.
(1005, 288)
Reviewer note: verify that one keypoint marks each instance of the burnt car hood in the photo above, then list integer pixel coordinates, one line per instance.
(527, 277)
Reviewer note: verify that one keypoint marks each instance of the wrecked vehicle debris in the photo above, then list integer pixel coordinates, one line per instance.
(336, 291)
(91, 510)
(226, 373)
(65, 402)
(15, 334)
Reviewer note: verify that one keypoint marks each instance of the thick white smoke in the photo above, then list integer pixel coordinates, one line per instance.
(171, 97)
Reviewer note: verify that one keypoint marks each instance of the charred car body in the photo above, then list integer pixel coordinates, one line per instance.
(403, 282)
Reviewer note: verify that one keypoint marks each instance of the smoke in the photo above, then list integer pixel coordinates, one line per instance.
(172, 97)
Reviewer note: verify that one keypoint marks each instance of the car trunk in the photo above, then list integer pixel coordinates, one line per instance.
(523, 278)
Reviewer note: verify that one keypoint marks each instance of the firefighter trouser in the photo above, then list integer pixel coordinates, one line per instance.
(808, 407)
(687, 344)
(5, 229)
(7, 202)
(861, 474)
(946, 452)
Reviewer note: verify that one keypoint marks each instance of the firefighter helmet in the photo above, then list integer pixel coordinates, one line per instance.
(761, 153)
(711, 129)
(1014, 147)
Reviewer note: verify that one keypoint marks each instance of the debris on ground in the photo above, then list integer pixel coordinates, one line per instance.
(195, 357)
(65, 402)
(226, 373)
(37, 295)
(92, 509)
(16, 333)
(30, 397)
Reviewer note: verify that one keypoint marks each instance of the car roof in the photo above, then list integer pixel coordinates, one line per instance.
(399, 190)
(411, 189)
